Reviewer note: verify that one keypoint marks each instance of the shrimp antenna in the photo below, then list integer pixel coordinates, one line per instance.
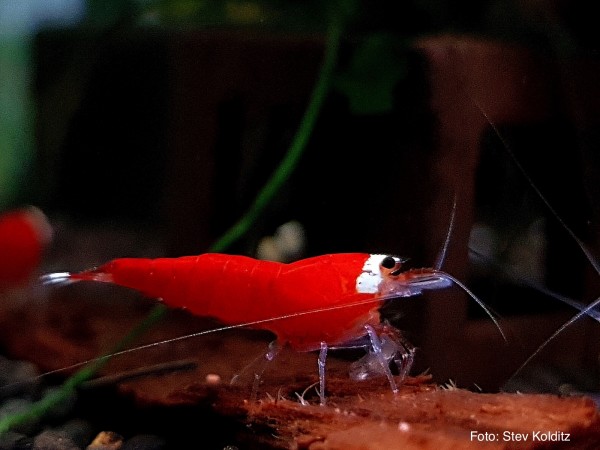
(544, 290)
(589, 310)
(444, 250)
(474, 297)
(588, 254)
(197, 334)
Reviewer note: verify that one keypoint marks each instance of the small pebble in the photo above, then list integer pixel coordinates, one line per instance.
(106, 440)
(78, 430)
(54, 440)
(291, 239)
(17, 378)
(144, 442)
(403, 426)
(11, 440)
(213, 378)
(287, 244)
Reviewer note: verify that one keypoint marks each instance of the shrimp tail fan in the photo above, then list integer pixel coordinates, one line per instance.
(65, 278)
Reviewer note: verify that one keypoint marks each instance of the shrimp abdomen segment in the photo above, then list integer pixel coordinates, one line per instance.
(229, 288)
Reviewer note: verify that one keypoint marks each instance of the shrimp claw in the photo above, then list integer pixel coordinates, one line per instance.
(386, 346)
(383, 347)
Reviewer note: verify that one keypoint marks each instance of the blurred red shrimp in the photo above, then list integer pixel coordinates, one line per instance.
(24, 234)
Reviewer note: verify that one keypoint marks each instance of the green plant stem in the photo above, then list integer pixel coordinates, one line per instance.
(264, 197)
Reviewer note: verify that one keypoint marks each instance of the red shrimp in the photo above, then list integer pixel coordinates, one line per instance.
(24, 234)
(239, 289)
(345, 289)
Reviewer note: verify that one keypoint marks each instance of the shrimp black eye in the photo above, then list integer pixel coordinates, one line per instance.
(392, 265)
(389, 262)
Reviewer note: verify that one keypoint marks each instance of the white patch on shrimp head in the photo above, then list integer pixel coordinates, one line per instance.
(370, 278)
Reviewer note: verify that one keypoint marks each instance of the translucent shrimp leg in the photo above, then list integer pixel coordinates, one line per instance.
(380, 357)
(321, 363)
(382, 347)
(270, 355)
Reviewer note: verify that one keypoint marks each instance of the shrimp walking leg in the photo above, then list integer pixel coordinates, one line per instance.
(270, 355)
(321, 362)
(258, 367)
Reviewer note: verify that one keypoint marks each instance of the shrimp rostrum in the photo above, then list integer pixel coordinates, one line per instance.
(316, 303)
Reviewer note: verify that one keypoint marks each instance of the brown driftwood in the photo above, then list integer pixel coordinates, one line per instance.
(358, 415)
(422, 415)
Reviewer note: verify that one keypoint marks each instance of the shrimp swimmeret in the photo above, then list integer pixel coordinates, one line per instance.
(345, 289)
